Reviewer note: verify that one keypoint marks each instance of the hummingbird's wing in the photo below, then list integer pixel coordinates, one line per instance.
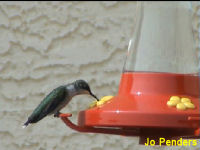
(57, 100)
(48, 105)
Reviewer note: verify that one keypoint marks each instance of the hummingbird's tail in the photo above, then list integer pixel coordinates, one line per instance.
(25, 124)
(34, 119)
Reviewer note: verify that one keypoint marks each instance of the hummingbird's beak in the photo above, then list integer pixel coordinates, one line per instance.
(94, 96)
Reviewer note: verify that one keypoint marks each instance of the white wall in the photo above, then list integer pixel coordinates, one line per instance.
(46, 44)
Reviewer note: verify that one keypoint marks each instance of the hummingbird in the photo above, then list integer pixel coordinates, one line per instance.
(57, 99)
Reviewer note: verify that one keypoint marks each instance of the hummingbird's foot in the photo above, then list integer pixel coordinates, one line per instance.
(57, 114)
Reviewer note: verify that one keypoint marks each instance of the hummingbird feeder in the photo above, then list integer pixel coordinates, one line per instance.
(159, 91)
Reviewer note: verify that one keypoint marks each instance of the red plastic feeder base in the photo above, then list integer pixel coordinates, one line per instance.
(140, 108)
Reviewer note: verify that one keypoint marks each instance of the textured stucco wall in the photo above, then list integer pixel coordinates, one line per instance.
(46, 44)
